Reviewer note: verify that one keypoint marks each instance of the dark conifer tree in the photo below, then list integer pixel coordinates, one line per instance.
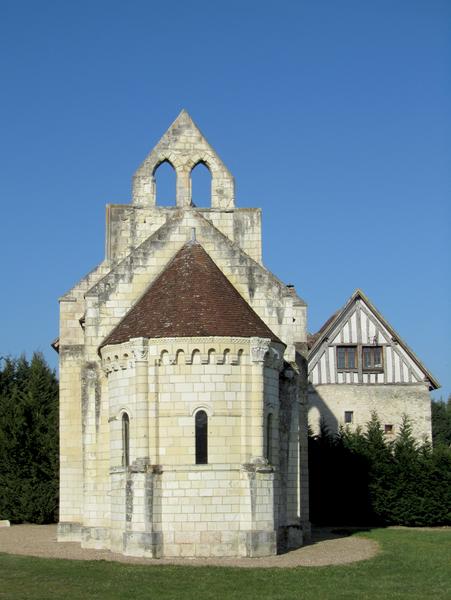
(362, 478)
(28, 441)
(441, 422)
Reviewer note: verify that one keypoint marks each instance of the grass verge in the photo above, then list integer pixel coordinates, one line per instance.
(412, 564)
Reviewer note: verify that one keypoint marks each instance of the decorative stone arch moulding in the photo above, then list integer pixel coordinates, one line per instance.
(170, 158)
(207, 407)
(124, 410)
(164, 358)
(214, 355)
(195, 358)
(176, 351)
(205, 158)
(117, 416)
(119, 357)
(117, 362)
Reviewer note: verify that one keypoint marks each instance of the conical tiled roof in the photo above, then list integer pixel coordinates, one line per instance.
(190, 298)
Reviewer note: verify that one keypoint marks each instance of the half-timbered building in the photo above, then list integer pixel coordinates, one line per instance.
(358, 365)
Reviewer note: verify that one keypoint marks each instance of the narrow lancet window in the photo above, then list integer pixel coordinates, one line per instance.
(125, 440)
(269, 438)
(201, 422)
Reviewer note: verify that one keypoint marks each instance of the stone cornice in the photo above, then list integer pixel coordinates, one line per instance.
(173, 351)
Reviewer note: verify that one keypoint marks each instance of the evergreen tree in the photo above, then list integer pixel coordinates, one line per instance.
(439, 489)
(359, 477)
(338, 479)
(409, 479)
(28, 441)
(441, 422)
(380, 464)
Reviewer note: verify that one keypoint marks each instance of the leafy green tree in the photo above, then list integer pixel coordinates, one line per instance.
(28, 441)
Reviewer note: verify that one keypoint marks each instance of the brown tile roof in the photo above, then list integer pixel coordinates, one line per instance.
(190, 298)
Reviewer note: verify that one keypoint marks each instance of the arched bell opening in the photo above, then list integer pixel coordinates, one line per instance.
(201, 184)
(165, 184)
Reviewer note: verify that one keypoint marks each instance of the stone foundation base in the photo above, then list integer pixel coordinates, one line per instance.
(146, 544)
(290, 537)
(255, 544)
(97, 538)
(252, 544)
(68, 532)
(199, 544)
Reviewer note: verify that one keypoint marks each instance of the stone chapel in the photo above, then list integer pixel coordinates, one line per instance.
(183, 380)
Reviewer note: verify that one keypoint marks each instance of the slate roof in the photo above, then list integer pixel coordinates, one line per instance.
(190, 298)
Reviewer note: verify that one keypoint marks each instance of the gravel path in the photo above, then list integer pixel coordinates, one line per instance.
(325, 549)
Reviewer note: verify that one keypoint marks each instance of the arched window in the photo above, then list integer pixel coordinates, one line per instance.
(269, 438)
(165, 184)
(125, 440)
(201, 422)
(201, 185)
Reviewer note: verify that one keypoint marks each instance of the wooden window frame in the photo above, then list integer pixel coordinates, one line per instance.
(373, 369)
(353, 369)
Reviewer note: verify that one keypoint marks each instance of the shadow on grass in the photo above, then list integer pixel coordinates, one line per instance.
(322, 533)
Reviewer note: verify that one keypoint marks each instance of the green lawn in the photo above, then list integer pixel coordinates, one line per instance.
(413, 564)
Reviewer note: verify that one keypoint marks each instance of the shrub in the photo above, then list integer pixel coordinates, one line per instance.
(358, 477)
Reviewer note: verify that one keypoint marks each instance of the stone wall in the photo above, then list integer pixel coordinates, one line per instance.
(164, 503)
(128, 226)
(390, 402)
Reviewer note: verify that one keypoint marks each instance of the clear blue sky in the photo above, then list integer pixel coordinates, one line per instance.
(334, 117)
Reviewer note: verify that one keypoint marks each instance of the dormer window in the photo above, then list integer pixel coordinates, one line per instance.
(372, 358)
(346, 358)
